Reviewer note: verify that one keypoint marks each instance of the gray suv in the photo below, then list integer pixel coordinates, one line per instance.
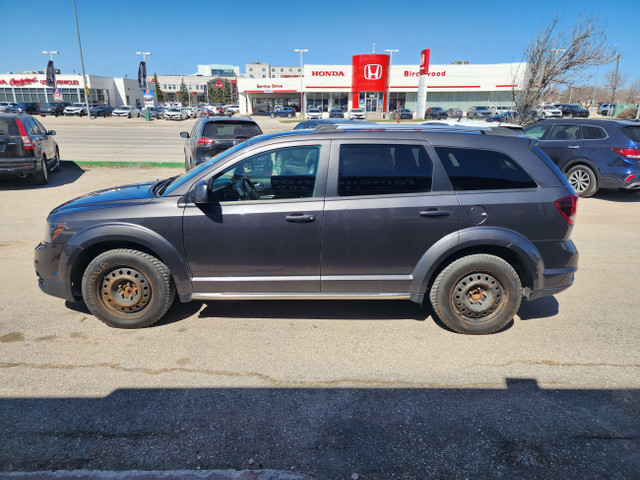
(466, 219)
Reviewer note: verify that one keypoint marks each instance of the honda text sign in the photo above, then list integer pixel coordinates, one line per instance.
(373, 72)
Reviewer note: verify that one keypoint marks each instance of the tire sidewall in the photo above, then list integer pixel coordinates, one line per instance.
(442, 293)
(162, 290)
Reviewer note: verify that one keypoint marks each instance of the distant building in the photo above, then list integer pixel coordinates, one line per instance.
(216, 70)
(265, 70)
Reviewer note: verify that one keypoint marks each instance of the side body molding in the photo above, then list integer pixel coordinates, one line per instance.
(129, 233)
(476, 237)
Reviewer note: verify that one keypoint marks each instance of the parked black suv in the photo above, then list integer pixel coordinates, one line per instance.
(212, 135)
(27, 148)
(470, 220)
(593, 154)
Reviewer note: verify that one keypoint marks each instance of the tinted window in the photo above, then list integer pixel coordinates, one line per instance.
(230, 130)
(537, 131)
(589, 132)
(8, 126)
(633, 133)
(283, 173)
(471, 169)
(565, 132)
(383, 169)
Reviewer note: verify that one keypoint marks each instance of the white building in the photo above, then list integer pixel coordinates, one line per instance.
(30, 87)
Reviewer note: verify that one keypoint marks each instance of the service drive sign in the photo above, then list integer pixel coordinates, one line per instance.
(372, 72)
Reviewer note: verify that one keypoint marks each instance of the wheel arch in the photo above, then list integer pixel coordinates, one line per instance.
(509, 245)
(582, 161)
(88, 244)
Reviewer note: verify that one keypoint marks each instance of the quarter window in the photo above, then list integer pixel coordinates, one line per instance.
(367, 169)
(589, 132)
(536, 131)
(472, 169)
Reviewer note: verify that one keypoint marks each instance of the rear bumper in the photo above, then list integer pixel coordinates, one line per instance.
(19, 167)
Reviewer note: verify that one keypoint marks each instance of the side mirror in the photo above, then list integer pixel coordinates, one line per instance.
(201, 193)
(184, 134)
(51, 133)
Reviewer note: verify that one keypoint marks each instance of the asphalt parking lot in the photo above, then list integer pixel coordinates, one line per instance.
(326, 390)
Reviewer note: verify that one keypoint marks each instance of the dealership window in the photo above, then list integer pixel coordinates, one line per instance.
(396, 97)
(368, 169)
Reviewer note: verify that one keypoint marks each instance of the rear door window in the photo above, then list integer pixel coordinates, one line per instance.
(565, 132)
(475, 169)
(537, 131)
(371, 169)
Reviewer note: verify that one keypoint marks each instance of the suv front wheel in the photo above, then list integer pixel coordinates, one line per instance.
(477, 294)
(127, 288)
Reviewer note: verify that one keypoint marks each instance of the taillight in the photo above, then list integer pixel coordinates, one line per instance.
(27, 144)
(633, 153)
(567, 206)
(206, 141)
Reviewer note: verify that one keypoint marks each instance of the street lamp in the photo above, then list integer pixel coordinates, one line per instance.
(51, 53)
(390, 52)
(301, 51)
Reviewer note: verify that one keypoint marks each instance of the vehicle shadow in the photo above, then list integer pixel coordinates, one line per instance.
(618, 195)
(521, 431)
(68, 173)
(541, 308)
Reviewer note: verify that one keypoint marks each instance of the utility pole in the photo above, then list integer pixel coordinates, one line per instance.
(84, 77)
(301, 51)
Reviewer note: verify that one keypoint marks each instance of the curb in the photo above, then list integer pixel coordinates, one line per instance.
(90, 163)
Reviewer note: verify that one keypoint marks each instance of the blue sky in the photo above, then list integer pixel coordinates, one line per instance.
(182, 35)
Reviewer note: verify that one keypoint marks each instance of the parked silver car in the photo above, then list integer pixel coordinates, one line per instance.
(126, 111)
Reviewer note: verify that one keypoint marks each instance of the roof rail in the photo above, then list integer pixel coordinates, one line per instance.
(342, 127)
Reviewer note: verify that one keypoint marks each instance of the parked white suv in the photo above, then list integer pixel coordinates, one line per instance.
(548, 111)
(76, 109)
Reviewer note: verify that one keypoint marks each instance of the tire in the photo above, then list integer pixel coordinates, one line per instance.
(56, 159)
(571, 115)
(273, 116)
(289, 115)
(129, 116)
(583, 180)
(81, 114)
(42, 177)
(478, 294)
(127, 288)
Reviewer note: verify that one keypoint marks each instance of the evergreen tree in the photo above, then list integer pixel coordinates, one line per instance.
(211, 93)
(159, 93)
(183, 94)
(226, 93)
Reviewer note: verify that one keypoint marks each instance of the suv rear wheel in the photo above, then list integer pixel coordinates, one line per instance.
(583, 180)
(42, 176)
(477, 294)
(127, 288)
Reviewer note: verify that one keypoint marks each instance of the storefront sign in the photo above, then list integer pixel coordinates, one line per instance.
(21, 82)
(273, 85)
(408, 73)
(327, 73)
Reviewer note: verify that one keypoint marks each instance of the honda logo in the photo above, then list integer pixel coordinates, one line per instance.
(373, 72)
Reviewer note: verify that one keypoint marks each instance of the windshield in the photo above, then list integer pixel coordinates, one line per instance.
(123, 108)
(78, 104)
(185, 177)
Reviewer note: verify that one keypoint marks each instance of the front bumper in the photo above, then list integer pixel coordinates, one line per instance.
(46, 262)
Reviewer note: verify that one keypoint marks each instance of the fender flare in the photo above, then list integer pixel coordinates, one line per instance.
(476, 237)
(128, 233)
(581, 161)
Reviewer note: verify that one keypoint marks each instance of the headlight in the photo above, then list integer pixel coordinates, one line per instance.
(53, 230)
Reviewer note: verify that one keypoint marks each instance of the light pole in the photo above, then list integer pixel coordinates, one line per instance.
(390, 52)
(301, 51)
(615, 79)
(84, 77)
(51, 53)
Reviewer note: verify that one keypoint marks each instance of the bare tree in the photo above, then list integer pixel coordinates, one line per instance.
(556, 58)
(632, 93)
(614, 81)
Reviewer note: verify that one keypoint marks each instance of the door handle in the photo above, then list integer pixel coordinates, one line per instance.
(573, 147)
(300, 218)
(435, 212)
